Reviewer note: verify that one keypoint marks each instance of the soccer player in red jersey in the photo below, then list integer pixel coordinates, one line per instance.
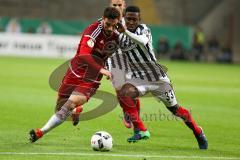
(118, 71)
(99, 40)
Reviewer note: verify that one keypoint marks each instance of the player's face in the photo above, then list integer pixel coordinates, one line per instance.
(119, 4)
(132, 20)
(109, 25)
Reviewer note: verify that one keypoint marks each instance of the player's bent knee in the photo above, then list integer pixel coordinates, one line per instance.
(173, 109)
(129, 90)
(77, 100)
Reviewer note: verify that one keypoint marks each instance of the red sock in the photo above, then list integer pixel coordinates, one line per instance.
(130, 110)
(39, 133)
(78, 109)
(188, 120)
(138, 105)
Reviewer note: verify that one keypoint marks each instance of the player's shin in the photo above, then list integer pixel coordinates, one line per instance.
(56, 119)
(53, 122)
(130, 110)
(187, 118)
(138, 105)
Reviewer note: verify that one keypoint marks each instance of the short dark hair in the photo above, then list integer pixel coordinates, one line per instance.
(111, 13)
(132, 9)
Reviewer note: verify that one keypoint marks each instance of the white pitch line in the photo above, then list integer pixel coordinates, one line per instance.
(119, 155)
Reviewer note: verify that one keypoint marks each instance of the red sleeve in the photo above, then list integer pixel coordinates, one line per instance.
(86, 45)
(85, 50)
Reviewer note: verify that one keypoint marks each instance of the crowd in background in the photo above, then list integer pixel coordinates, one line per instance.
(14, 26)
(202, 49)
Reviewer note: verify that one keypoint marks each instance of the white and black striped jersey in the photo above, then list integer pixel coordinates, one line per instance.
(136, 55)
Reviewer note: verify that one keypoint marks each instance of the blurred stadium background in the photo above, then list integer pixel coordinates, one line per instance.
(202, 33)
(206, 30)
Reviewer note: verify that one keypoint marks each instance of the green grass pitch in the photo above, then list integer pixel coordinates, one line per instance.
(211, 91)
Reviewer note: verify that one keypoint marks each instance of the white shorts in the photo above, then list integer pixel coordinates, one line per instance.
(118, 77)
(162, 89)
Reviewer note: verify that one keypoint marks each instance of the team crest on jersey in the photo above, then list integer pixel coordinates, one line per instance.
(90, 43)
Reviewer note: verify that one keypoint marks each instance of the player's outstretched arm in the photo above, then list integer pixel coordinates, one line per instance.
(139, 39)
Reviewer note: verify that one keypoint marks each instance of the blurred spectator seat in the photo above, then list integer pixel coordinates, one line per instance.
(198, 44)
(226, 55)
(44, 28)
(178, 52)
(162, 48)
(13, 26)
(31, 30)
(213, 48)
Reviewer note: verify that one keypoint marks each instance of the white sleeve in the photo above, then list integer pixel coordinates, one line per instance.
(141, 39)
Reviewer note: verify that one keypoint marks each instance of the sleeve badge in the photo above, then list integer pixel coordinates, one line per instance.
(90, 43)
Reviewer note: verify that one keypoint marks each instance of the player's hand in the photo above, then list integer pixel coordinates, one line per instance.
(106, 73)
(120, 28)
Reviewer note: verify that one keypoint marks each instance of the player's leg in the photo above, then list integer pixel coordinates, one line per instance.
(189, 121)
(166, 94)
(130, 109)
(126, 119)
(88, 89)
(60, 116)
(75, 113)
(61, 100)
(118, 80)
(74, 100)
(128, 96)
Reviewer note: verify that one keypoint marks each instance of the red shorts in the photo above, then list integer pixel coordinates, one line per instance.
(87, 89)
(70, 84)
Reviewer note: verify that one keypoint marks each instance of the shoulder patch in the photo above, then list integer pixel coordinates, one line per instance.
(90, 43)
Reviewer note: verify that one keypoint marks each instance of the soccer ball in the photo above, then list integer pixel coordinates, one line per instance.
(101, 141)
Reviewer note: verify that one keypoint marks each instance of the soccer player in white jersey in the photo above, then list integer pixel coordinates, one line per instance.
(145, 75)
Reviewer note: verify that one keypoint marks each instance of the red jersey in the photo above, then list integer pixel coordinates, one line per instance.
(94, 48)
